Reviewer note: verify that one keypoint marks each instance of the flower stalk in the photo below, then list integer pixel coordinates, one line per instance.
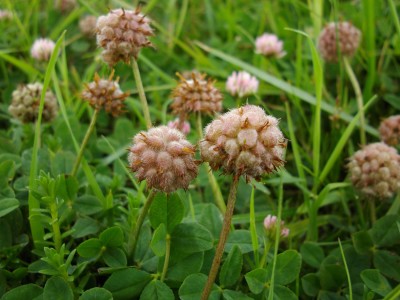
(142, 96)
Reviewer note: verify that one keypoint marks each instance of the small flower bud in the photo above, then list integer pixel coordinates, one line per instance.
(244, 141)
(270, 227)
(184, 126)
(105, 93)
(42, 49)
(270, 46)
(164, 158)
(390, 130)
(26, 100)
(241, 84)
(375, 170)
(87, 25)
(348, 40)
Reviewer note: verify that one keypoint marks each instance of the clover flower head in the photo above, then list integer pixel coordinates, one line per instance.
(389, 130)
(42, 49)
(375, 170)
(241, 84)
(26, 101)
(164, 158)
(122, 33)
(87, 25)
(269, 45)
(270, 227)
(341, 36)
(244, 141)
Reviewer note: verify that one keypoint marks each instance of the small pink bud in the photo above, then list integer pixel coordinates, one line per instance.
(184, 126)
(241, 84)
(270, 227)
(42, 49)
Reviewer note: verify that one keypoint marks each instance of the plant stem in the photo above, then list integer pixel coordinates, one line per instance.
(267, 247)
(372, 210)
(219, 200)
(359, 98)
(84, 142)
(142, 96)
(55, 224)
(347, 271)
(253, 231)
(277, 236)
(167, 255)
(222, 238)
(135, 235)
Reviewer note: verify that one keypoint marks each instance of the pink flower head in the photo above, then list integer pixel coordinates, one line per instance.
(269, 45)
(270, 227)
(5, 14)
(42, 49)
(241, 84)
(184, 126)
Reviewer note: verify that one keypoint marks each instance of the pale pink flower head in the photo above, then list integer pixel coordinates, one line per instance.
(269, 45)
(164, 158)
(389, 130)
(270, 227)
(42, 49)
(375, 170)
(5, 15)
(241, 84)
(244, 141)
(87, 25)
(184, 126)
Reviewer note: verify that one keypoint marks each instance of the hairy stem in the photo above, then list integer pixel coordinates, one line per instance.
(359, 98)
(167, 255)
(222, 238)
(135, 235)
(84, 142)
(142, 96)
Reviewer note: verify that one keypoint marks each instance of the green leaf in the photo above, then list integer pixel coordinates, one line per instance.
(256, 280)
(168, 210)
(312, 254)
(114, 257)
(310, 283)
(87, 205)
(27, 291)
(385, 232)
(282, 293)
(231, 268)
(376, 282)
(7, 172)
(96, 294)
(332, 275)
(158, 242)
(388, 263)
(183, 267)
(191, 237)
(287, 267)
(90, 248)
(62, 163)
(57, 288)
(112, 237)
(241, 238)
(127, 284)
(362, 242)
(234, 295)
(84, 227)
(210, 217)
(192, 288)
(7, 205)
(157, 290)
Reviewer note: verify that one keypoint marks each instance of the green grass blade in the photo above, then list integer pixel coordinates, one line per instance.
(20, 64)
(369, 35)
(253, 231)
(347, 271)
(282, 85)
(33, 203)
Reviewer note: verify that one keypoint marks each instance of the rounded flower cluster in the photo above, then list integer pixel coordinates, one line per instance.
(64, 5)
(164, 158)
(105, 93)
(270, 227)
(196, 95)
(244, 141)
(122, 33)
(390, 130)
(26, 100)
(375, 170)
(87, 25)
(269, 45)
(241, 84)
(42, 49)
(5, 15)
(348, 40)
(183, 127)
